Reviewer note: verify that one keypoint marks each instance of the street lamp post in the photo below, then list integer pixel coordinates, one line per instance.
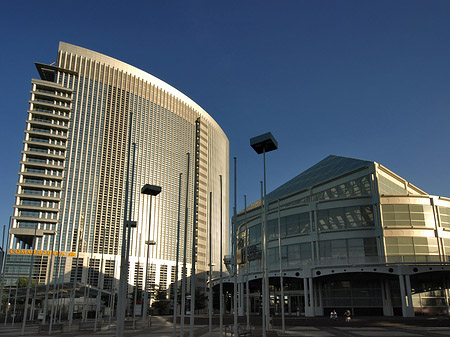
(221, 265)
(262, 144)
(283, 323)
(150, 190)
(121, 296)
(210, 294)
(24, 319)
(247, 263)
(234, 245)
(175, 292)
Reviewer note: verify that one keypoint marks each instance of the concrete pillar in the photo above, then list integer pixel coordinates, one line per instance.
(240, 299)
(312, 295)
(447, 295)
(306, 295)
(405, 293)
(319, 300)
(409, 296)
(387, 301)
(309, 296)
(402, 294)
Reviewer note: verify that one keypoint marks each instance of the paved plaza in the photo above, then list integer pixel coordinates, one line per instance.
(316, 327)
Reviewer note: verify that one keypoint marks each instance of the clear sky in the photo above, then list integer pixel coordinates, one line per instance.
(363, 79)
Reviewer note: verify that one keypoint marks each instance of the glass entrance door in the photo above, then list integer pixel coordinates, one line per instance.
(296, 305)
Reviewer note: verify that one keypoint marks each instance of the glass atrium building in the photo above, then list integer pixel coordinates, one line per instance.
(353, 235)
(93, 123)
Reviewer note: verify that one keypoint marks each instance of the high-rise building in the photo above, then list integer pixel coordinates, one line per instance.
(93, 124)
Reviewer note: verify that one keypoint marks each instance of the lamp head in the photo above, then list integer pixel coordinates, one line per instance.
(151, 189)
(264, 143)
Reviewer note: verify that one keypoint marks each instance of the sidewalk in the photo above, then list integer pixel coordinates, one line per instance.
(295, 326)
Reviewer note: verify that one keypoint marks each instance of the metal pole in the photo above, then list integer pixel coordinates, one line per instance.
(124, 268)
(33, 301)
(263, 279)
(175, 293)
(2, 266)
(7, 304)
(55, 295)
(283, 326)
(146, 300)
(72, 296)
(234, 245)
(183, 284)
(87, 290)
(15, 303)
(210, 294)
(4, 261)
(100, 287)
(194, 228)
(136, 274)
(221, 265)
(130, 210)
(113, 294)
(24, 318)
(266, 275)
(47, 286)
(247, 262)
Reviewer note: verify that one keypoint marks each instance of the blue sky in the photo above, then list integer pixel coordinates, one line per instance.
(363, 79)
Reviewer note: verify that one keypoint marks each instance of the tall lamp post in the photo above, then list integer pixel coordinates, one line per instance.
(262, 144)
(150, 190)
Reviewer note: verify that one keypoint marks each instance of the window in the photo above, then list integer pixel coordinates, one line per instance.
(444, 216)
(255, 234)
(345, 218)
(399, 215)
(412, 249)
(390, 187)
(353, 188)
(27, 202)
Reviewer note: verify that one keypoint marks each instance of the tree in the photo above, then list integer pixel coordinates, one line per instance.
(161, 303)
(200, 299)
(22, 282)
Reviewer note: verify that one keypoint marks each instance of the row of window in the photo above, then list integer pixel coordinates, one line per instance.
(45, 161)
(44, 171)
(44, 182)
(49, 131)
(359, 187)
(50, 121)
(347, 251)
(46, 151)
(353, 188)
(292, 256)
(408, 215)
(50, 111)
(327, 220)
(44, 193)
(37, 214)
(345, 218)
(388, 187)
(47, 141)
(50, 101)
(411, 246)
(39, 203)
(444, 214)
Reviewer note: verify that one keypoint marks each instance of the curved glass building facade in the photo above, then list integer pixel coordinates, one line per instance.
(92, 119)
(352, 235)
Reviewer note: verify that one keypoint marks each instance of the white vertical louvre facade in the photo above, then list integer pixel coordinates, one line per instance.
(71, 190)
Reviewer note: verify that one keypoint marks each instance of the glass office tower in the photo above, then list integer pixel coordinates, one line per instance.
(352, 235)
(88, 114)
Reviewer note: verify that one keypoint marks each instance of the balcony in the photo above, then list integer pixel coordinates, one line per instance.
(27, 234)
